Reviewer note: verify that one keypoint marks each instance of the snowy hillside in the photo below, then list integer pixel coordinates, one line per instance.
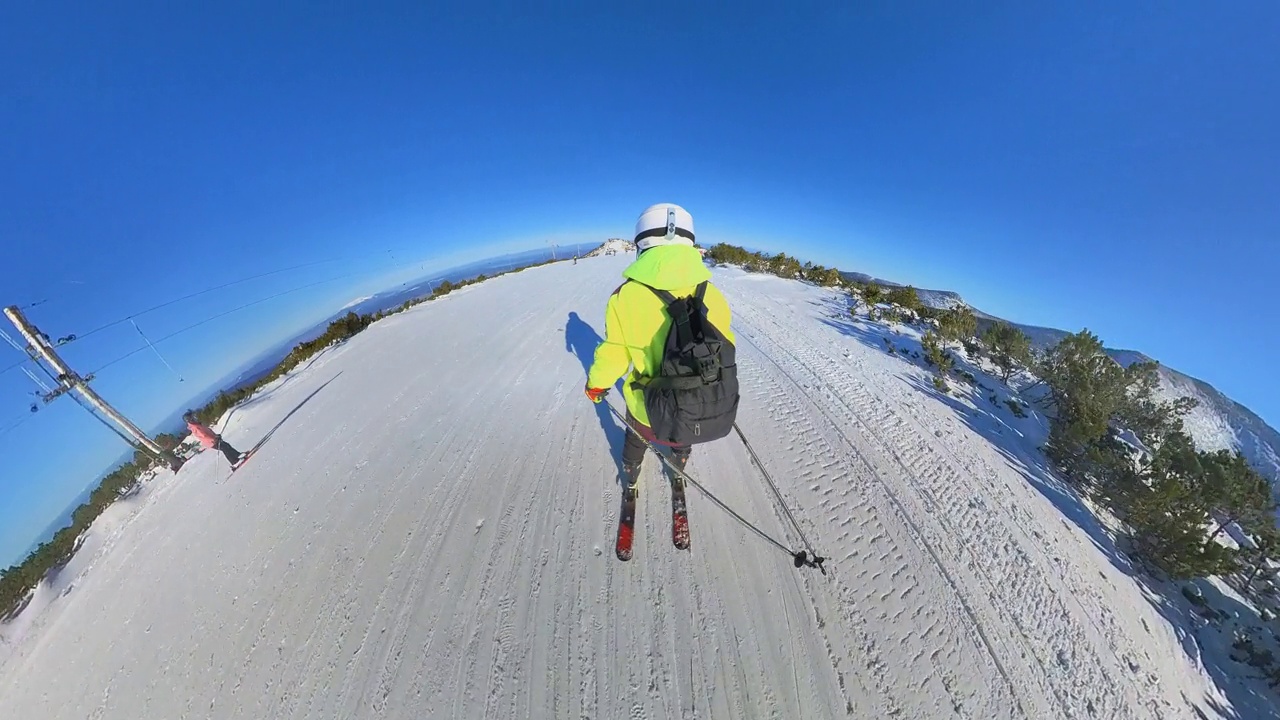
(613, 246)
(1220, 422)
(940, 299)
(1217, 423)
(1041, 338)
(428, 534)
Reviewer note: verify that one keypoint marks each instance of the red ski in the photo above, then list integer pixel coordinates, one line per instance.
(679, 515)
(242, 461)
(626, 523)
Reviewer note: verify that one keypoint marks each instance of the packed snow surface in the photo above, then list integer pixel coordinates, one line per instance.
(429, 534)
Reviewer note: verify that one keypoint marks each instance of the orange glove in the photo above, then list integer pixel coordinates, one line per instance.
(596, 394)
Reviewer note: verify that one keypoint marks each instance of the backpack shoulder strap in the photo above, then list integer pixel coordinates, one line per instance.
(663, 295)
(701, 292)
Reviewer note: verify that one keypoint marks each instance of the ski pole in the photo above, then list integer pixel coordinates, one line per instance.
(774, 487)
(800, 558)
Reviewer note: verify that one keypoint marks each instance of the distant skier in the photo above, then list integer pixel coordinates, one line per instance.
(213, 440)
(682, 389)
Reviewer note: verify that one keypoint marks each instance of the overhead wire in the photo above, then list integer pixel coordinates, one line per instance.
(215, 317)
(89, 409)
(28, 415)
(14, 344)
(17, 422)
(127, 318)
(51, 376)
(13, 425)
(16, 365)
(189, 296)
(79, 401)
(37, 381)
(156, 350)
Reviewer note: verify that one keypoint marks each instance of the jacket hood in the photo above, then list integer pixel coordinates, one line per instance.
(669, 267)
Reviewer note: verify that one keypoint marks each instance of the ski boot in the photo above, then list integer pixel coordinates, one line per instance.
(679, 507)
(680, 460)
(630, 477)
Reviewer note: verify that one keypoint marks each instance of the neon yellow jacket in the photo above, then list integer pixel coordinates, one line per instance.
(636, 320)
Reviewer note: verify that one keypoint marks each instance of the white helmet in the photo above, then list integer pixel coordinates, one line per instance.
(663, 224)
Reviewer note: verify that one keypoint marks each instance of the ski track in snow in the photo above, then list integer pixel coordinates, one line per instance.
(431, 535)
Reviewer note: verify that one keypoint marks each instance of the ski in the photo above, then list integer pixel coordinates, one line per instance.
(242, 461)
(679, 514)
(626, 523)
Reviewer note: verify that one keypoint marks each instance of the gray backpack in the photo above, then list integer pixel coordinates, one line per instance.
(694, 396)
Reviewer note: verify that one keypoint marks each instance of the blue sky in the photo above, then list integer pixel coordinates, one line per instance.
(1093, 165)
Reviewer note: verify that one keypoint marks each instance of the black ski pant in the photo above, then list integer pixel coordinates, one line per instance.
(232, 455)
(633, 450)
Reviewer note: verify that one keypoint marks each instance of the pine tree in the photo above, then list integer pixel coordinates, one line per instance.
(784, 266)
(1167, 531)
(905, 297)
(1167, 513)
(1091, 397)
(1142, 412)
(824, 276)
(957, 324)
(873, 294)
(1236, 492)
(1086, 389)
(1266, 547)
(1010, 348)
(935, 355)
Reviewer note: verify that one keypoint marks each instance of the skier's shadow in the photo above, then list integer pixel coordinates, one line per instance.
(581, 339)
(258, 445)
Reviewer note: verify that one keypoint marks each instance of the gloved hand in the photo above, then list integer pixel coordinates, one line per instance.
(596, 394)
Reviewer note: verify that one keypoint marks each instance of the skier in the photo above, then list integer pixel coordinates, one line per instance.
(213, 440)
(637, 319)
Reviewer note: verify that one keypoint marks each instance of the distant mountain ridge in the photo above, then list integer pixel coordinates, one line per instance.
(941, 299)
(613, 246)
(1217, 422)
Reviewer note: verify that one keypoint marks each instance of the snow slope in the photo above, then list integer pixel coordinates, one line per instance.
(940, 299)
(428, 533)
(612, 246)
(1217, 423)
